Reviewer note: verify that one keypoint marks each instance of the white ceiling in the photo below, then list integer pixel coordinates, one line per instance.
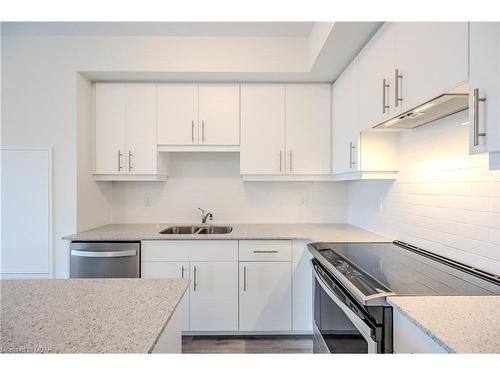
(228, 29)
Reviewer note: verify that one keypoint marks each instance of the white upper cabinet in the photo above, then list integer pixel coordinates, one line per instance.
(125, 132)
(484, 85)
(376, 70)
(219, 114)
(345, 120)
(431, 58)
(308, 129)
(285, 129)
(110, 128)
(177, 114)
(141, 129)
(198, 114)
(408, 63)
(262, 149)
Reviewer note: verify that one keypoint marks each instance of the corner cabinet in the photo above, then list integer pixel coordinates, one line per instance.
(356, 154)
(285, 129)
(125, 133)
(484, 86)
(198, 117)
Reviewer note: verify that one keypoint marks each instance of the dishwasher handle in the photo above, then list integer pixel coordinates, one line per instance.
(103, 254)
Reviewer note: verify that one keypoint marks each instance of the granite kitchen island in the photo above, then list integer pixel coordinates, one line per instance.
(91, 315)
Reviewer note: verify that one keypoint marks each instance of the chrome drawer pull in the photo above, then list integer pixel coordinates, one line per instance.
(265, 251)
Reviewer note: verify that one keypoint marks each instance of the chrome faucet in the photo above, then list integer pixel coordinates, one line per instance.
(205, 216)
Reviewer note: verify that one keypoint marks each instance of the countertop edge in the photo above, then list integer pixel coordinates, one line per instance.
(150, 350)
(393, 302)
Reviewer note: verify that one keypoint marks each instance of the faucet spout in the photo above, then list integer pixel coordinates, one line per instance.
(205, 216)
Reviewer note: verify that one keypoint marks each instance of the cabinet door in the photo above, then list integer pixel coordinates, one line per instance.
(262, 149)
(214, 296)
(141, 129)
(431, 57)
(265, 296)
(155, 270)
(219, 114)
(345, 125)
(110, 122)
(485, 77)
(376, 64)
(308, 129)
(177, 110)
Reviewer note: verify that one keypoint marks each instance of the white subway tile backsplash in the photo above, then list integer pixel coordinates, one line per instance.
(443, 200)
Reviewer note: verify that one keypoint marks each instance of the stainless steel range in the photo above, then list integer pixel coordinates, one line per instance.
(352, 281)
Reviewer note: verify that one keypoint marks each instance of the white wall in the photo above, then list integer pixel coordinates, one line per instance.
(444, 199)
(212, 181)
(93, 198)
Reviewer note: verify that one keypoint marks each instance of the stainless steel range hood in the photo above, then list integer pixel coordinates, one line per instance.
(439, 107)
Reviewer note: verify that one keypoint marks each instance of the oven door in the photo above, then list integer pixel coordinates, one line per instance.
(340, 325)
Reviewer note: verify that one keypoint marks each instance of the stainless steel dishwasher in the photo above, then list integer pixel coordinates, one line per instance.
(104, 259)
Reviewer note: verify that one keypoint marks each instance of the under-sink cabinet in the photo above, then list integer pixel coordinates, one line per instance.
(236, 286)
(212, 267)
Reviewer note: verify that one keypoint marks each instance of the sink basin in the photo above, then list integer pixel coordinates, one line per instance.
(215, 230)
(180, 230)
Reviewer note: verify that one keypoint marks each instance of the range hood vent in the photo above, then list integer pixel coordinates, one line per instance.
(442, 106)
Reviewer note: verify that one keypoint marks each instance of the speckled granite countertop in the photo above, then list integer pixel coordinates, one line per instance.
(460, 324)
(314, 232)
(86, 315)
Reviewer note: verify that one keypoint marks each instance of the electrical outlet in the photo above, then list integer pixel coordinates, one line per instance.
(148, 201)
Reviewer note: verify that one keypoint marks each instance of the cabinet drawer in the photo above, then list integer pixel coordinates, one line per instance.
(184, 251)
(265, 250)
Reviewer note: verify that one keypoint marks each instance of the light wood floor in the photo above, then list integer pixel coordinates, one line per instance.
(247, 344)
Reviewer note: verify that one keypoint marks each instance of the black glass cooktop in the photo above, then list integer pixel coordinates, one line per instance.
(379, 267)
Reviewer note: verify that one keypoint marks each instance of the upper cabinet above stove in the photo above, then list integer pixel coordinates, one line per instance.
(408, 63)
(484, 87)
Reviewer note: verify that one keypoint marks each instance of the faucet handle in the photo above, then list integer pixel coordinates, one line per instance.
(202, 210)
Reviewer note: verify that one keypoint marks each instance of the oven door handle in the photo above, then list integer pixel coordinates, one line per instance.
(364, 329)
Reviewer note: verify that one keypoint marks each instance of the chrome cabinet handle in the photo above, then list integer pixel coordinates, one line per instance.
(203, 131)
(244, 279)
(119, 160)
(397, 77)
(351, 157)
(291, 164)
(475, 115)
(129, 160)
(194, 279)
(192, 131)
(281, 162)
(385, 86)
(265, 251)
(182, 272)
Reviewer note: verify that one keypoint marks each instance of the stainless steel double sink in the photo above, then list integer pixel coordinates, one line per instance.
(193, 229)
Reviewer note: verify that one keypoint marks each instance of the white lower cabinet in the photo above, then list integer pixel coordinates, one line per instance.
(235, 285)
(154, 270)
(408, 338)
(265, 296)
(214, 296)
